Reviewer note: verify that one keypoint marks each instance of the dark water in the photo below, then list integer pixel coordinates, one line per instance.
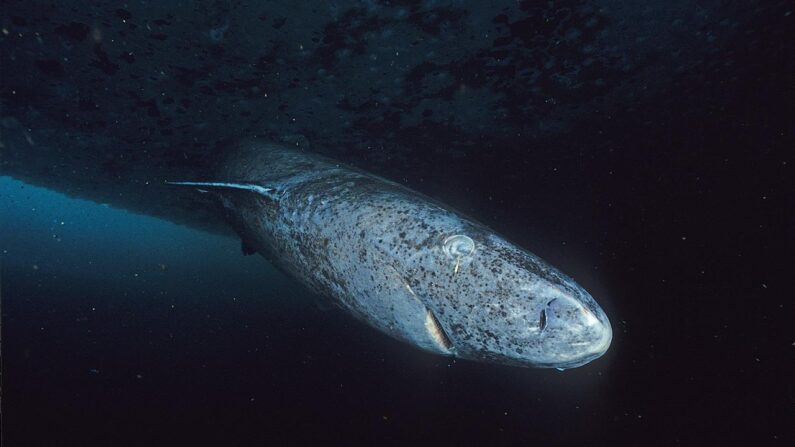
(645, 150)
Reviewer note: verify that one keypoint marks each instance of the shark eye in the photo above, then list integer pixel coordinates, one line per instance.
(459, 245)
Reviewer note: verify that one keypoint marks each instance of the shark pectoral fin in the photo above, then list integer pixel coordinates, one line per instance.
(413, 321)
(436, 333)
(266, 191)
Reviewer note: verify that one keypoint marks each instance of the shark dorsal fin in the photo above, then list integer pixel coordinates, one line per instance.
(269, 192)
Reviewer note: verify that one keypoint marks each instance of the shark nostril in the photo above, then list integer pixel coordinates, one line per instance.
(542, 319)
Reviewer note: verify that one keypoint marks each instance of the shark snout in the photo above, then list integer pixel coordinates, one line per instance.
(582, 333)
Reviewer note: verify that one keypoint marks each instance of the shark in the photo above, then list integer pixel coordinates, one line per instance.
(405, 264)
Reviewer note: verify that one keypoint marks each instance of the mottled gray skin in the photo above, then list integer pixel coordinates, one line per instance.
(407, 265)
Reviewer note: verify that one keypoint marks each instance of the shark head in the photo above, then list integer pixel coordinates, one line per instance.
(489, 300)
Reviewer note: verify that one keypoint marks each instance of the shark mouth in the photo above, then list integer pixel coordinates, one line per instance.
(436, 332)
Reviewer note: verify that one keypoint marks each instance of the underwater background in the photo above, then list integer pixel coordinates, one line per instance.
(644, 148)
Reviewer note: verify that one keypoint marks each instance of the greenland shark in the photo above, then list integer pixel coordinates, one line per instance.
(405, 264)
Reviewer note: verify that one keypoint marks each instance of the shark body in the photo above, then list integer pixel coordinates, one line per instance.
(405, 264)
